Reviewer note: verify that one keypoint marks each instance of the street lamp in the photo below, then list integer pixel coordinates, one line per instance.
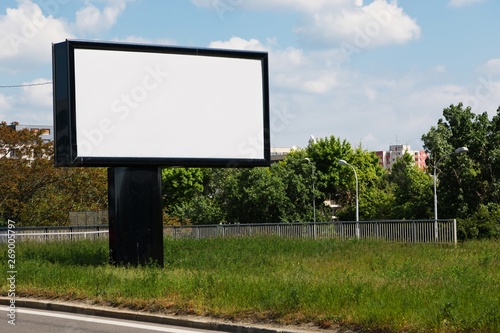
(457, 151)
(343, 162)
(314, 201)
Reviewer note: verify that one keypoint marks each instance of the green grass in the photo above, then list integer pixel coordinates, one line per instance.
(377, 286)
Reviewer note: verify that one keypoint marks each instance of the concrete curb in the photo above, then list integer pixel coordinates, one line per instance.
(140, 316)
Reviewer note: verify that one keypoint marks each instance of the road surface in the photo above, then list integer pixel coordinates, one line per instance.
(42, 321)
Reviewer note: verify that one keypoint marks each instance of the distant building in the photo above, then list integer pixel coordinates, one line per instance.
(47, 135)
(278, 154)
(47, 131)
(388, 158)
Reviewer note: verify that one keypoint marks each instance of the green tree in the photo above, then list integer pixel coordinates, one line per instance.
(337, 182)
(413, 190)
(485, 223)
(465, 181)
(33, 191)
(180, 186)
(255, 196)
(25, 169)
(74, 189)
(298, 178)
(279, 193)
(491, 160)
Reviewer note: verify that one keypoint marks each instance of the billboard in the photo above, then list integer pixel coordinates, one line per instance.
(121, 104)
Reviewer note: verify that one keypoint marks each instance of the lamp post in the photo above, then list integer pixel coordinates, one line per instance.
(457, 151)
(314, 201)
(343, 162)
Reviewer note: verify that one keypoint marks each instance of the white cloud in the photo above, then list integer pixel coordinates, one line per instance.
(440, 69)
(142, 40)
(94, 20)
(492, 66)
(299, 5)
(378, 23)
(5, 102)
(331, 22)
(27, 35)
(291, 69)
(373, 110)
(237, 43)
(462, 3)
(29, 104)
(38, 96)
(28, 31)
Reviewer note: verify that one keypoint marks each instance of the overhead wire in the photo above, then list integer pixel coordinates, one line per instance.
(25, 85)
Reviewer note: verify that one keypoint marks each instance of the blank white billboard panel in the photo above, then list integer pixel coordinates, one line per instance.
(122, 104)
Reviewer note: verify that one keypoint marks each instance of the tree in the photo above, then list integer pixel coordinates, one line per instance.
(485, 223)
(491, 160)
(296, 174)
(179, 187)
(33, 191)
(338, 182)
(255, 196)
(465, 181)
(73, 189)
(413, 190)
(25, 168)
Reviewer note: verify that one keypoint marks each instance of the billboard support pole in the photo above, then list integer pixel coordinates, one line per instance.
(135, 216)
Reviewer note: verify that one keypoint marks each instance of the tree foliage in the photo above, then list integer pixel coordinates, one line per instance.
(468, 185)
(284, 192)
(465, 181)
(412, 189)
(33, 191)
(337, 182)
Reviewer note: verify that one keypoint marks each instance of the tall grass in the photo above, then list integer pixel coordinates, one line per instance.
(359, 284)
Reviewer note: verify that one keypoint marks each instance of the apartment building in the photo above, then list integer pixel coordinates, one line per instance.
(388, 157)
(47, 135)
(47, 131)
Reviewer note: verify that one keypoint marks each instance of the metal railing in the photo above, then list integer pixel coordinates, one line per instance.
(57, 233)
(411, 231)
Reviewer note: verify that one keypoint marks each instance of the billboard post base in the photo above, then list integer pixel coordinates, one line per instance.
(135, 216)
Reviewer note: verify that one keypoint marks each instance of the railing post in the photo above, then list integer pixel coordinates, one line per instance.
(414, 224)
(455, 231)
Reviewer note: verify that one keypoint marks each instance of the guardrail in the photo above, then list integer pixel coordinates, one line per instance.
(411, 231)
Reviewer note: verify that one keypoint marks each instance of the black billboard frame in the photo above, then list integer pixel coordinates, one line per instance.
(65, 127)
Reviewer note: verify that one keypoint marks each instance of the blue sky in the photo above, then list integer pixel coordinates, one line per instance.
(372, 72)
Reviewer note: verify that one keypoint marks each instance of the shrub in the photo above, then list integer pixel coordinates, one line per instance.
(485, 223)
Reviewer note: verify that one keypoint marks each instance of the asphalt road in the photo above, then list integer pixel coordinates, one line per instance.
(42, 321)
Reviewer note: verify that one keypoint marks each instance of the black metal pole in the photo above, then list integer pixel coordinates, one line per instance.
(135, 216)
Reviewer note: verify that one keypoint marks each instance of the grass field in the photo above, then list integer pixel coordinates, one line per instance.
(364, 285)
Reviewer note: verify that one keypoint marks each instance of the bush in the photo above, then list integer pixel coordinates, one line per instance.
(483, 224)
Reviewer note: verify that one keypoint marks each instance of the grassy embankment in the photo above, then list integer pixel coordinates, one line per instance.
(359, 284)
